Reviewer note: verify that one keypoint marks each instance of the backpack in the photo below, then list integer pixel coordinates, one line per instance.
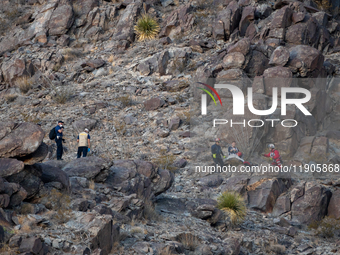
(53, 134)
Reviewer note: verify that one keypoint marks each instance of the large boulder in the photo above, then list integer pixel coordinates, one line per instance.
(29, 179)
(178, 20)
(305, 59)
(16, 68)
(334, 205)
(248, 15)
(312, 206)
(80, 125)
(53, 174)
(61, 19)
(9, 166)
(126, 22)
(263, 193)
(37, 156)
(279, 57)
(257, 64)
(20, 140)
(88, 167)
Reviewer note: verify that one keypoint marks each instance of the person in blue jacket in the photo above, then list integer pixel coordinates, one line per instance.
(217, 153)
(59, 139)
(233, 149)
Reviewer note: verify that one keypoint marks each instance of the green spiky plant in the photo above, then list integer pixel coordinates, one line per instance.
(146, 28)
(233, 204)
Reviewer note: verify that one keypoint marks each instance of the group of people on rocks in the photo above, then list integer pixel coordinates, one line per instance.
(83, 140)
(217, 154)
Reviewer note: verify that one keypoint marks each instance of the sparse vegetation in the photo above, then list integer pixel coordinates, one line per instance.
(11, 97)
(327, 227)
(59, 202)
(62, 96)
(146, 28)
(70, 54)
(165, 161)
(323, 5)
(92, 184)
(124, 100)
(189, 241)
(24, 83)
(27, 208)
(149, 212)
(233, 204)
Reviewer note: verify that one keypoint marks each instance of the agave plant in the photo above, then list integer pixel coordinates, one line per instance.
(233, 204)
(146, 28)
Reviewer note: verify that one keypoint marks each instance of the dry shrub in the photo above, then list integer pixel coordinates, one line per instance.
(149, 212)
(24, 83)
(327, 227)
(59, 202)
(92, 184)
(27, 209)
(124, 100)
(136, 230)
(186, 117)
(120, 127)
(62, 96)
(11, 97)
(189, 241)
(278, 249)
(70, 54)
(323, 5)
(111, 58)
(165, 161)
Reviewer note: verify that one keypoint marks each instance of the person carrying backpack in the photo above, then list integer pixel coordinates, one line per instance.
(59, 139)
(274, 155)
(84, 144)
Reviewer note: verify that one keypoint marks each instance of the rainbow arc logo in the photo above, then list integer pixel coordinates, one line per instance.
(208, 92)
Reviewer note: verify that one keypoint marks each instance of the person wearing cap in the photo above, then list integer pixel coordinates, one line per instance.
(84, 144)
(59, 139)
(274, 155)
(217, 152)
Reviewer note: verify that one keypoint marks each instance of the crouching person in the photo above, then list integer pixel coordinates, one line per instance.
(84, 145)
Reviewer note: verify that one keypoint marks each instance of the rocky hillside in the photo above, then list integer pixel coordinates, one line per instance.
(137, 193)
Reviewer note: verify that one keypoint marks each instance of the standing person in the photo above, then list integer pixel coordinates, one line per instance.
(233, 149)
(59, 139)
(274, 155)
(84, 144)
(217, 153)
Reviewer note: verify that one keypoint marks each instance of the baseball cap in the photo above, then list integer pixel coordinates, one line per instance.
(61, 121)
(86, 130)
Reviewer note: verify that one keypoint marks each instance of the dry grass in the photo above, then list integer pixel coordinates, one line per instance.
(70, 54)
(149, 212)
(62, 96)
(189, 241)
(323, 5)
(11, 97)
(59, 202)
(27, 209)
(120, 127)
(24, 83)
(185, 116)
(124, 100)
(327, 227)
(92, 184)
(7, 250)
(137, 230)
(110, 59)
(165, 161)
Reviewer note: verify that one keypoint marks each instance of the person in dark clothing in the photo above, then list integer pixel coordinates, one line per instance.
(233, 149)
(83, 141)
(217, 153)
(59, 139)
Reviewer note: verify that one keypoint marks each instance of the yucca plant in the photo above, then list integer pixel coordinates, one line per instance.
(146, 28)
(233, 204)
